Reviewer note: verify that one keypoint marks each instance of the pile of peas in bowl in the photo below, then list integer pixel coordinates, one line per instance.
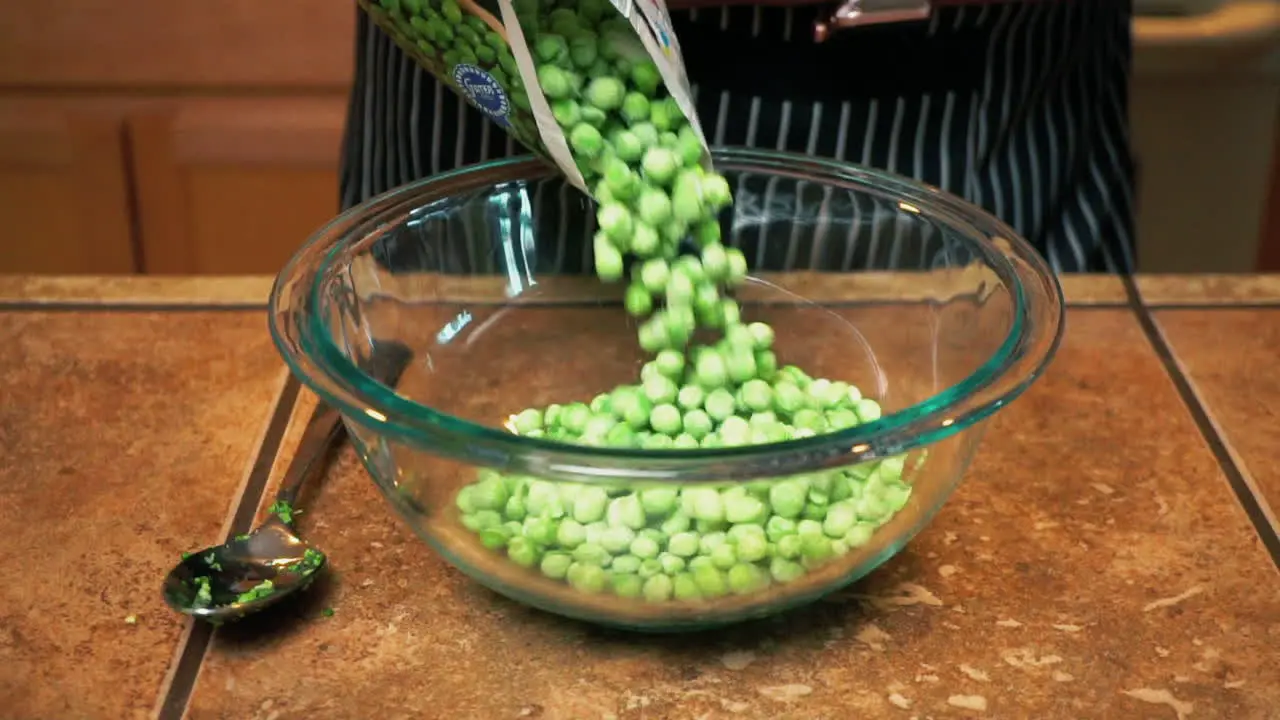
(770, 454)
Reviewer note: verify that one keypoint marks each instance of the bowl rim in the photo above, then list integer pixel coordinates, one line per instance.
(303, 339)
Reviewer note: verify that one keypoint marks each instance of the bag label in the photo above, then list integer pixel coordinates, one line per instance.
(484, 92)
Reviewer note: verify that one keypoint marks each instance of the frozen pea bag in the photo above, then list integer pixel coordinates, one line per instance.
(582, 83)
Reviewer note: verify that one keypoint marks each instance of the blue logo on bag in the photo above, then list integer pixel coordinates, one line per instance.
(483, 91)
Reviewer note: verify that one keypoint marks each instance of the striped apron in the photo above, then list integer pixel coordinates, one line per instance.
(1020, 108)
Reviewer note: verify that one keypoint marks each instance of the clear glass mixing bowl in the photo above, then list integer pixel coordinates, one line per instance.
(922, 301)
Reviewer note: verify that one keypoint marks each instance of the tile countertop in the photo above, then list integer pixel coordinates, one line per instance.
(1113, 552)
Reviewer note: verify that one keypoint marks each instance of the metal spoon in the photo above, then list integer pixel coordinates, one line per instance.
(258, 569)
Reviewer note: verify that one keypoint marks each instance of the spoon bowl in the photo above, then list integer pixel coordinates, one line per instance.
(246, 575)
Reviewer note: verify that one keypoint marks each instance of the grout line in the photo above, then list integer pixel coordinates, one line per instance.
(175, 691)
(1254, 505)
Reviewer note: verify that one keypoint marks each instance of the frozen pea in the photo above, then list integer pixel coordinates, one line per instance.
(815, 549)
(839, 548)
(628, 586)
(688, 147)
(660, 389)
(808, 527)
(891, 467)
(895, 497)
(654, 275)
(690, 397)
(626, 145)
(635, 107)
(595, 531)
(658, 588)
(614, 219)
(762, 334)
(784, 570)
(591, 554)
(586, 141)
(608, 260)
(711, 581)
(720, 403)
(587, 578)
(870, 507)
(625, 564)
(711, 440)
(810, 419)
(465, 501)
(745, 578)
(685, 587)
(757, 395)
(653, 206)
(684, 545)
(841, 419)
(679, 290)
(744, 509)
(697, 424)
(703, 503)
(715, 189)
(617, 539)
(724, 556)
(490, 493)
(658, 501)
(859, 535)
(515, 508)
(707, 233)
(644, 548)
(645, 76)
(555, 565)
(715, 261)
(868, 410)
(605, 93)
(778, 527)
(646, 133)
(788, 547)
(751, 547)
(522, 552)
(711, 541)
(626, 512)
(665, 115)
(737, 266)
(670, 363)
(686, 203)
(649, 568)
(710, 373)
(570, 534)
(685, 441)
(645, 241)
(671, 563)
(659, 165)
(582, 50)
(735, 431)
(554, 82)
(665, 419)
(494, 538)
(638, 301)
(540, 530)
(840, 518)
(678, 522)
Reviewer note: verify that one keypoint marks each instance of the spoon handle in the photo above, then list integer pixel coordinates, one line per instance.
(325, 429)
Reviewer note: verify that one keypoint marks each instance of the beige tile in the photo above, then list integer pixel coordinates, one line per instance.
(125, 437)
(1230, 358)
(1094, 564)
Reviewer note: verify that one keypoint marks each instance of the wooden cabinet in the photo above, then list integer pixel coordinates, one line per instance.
(149, 136)
(234, 185)
(64, 200)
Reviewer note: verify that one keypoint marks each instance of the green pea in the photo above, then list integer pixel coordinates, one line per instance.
(745, 578)
(658, 588)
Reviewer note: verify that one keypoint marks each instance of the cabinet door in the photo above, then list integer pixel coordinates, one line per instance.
(234, 186)
(63, 194)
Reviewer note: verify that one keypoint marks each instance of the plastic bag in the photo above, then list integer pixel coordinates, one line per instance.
(492, 53)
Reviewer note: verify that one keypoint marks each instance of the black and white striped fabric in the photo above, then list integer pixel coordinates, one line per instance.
(1021, 108)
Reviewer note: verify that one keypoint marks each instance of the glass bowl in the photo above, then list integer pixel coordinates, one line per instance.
(925, 304)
